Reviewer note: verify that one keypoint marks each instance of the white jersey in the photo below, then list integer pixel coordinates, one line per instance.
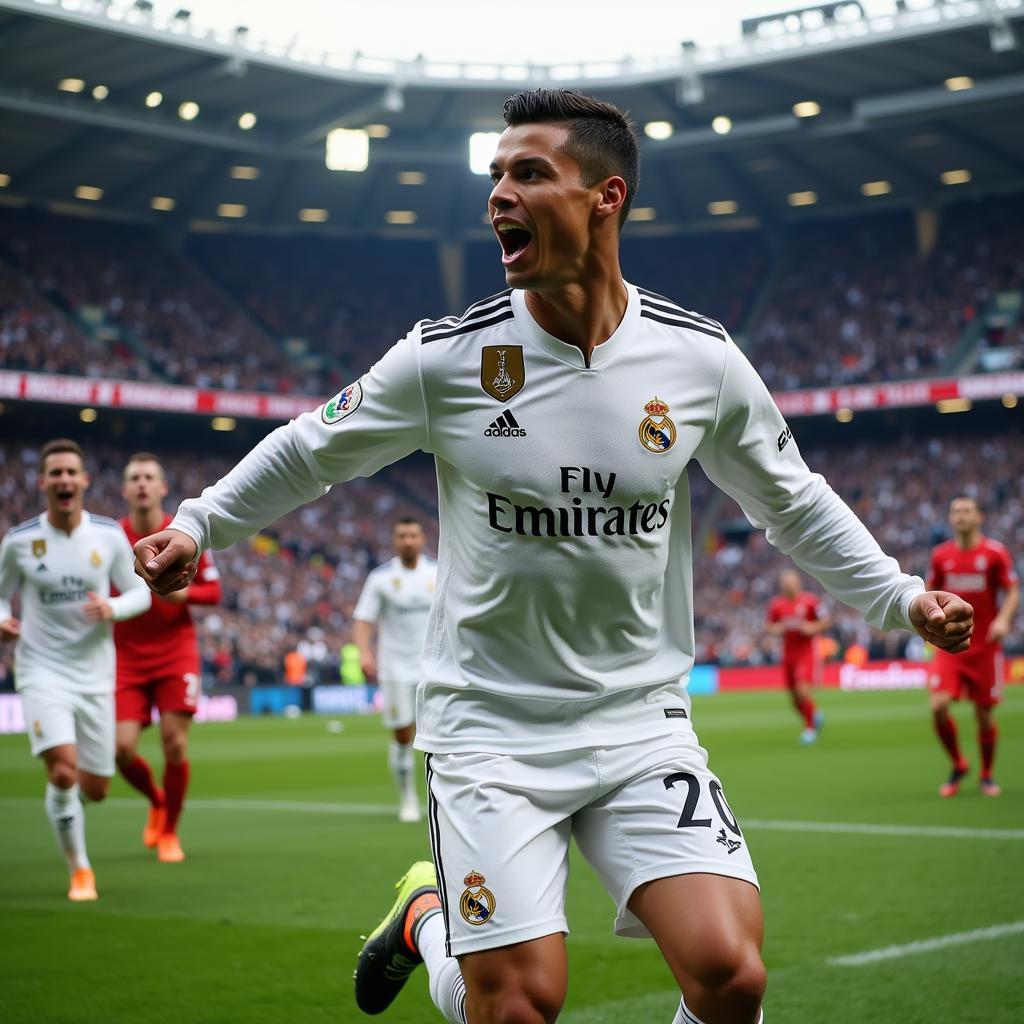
(59, 647)
(564, 611)
(398, 600)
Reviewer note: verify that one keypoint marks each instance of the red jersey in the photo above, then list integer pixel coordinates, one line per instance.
(791, 612)
(151, 644)
(978, 575)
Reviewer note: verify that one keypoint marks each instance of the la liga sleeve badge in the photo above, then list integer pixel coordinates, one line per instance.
(344, 403)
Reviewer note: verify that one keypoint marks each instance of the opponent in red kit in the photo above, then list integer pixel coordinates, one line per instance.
(798, 617)
(979, 570)
(158, 666)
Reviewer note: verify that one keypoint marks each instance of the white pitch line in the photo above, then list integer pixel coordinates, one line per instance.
(756, 824)
(873, 956)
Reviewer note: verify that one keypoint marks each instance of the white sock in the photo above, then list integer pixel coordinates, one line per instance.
(401, 760)
(684, 1015)
(67, 817)
(447, 988)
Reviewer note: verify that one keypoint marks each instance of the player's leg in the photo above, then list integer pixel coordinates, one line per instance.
(944, 686)
(986, 684)
(673, 857)
(709, 929)
(174, 729)
(399, 715)
(807, 709)
(503, 922)
(133, 704)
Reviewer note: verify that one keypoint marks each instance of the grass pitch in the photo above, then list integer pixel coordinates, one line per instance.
(293, 849)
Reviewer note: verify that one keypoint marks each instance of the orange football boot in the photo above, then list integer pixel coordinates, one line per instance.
(154, 827)
(83, 885)
(168, 850)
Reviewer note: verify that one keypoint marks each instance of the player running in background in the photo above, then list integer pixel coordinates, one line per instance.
(798, 617)
(158, 666)
(63, 563)
(979, 570)
(396, 598)
(562, 414)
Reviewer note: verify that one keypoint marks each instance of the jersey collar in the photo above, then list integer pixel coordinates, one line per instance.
(570, 354)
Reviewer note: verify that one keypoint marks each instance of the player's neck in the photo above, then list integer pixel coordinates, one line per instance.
(66, 522)
(409, 563)
(585, 313)
(966, 541)
(146, 521)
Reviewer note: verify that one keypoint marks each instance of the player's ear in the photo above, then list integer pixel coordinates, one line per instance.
(86, 481)
(613, 195)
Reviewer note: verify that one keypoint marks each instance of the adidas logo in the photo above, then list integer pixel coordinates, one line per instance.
(505, 426)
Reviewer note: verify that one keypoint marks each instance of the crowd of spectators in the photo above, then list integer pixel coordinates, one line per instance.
(900, 487)
(837, 301)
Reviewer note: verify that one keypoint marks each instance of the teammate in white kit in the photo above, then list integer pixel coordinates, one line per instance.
(63, 562)
(561, 415)
(396, 598)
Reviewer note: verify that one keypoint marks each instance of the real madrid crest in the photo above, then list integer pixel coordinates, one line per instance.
(94, 560)
(502, 371)
(657, 431)
(476, 904)
(38, 548)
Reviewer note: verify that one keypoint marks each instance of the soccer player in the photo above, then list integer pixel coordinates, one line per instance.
(63, 563)
(396, 598)
(561, 414)
(158, 666)
(798, 617)
(980, 570)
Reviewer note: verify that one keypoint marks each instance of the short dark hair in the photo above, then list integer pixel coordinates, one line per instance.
(408, 521)
(602, 139)
(58, 446)
(967, 497)
(144, 457)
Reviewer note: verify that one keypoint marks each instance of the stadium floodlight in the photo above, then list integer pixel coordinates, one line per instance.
(844, 415)
(400, 216)
(247, 121)
(5, 180)
(807, 108)
(91, 192)
(223, 423)
(481, 151)
(721, 125)
(71, 85)
(378, 131)
(411, 178)
(311, 215)
(723, 207)
(807, 198)
(954, 405)
(231, 210)
(642, 213)
(960, 176)
(243, 173)
(1009, 401)
(959, 82)
(188, 111)
(100, 92)
(348, 149)
(165, 203)
(88, 415)
(154, 99)
(876, 188)
(658, 130)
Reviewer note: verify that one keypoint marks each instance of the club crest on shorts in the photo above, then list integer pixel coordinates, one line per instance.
(657, 431)
(38, 548)
(94, 560)
(502, 371)
(476, 904)
(344, 403)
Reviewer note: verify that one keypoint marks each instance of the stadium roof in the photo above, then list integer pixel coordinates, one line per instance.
(920, 107)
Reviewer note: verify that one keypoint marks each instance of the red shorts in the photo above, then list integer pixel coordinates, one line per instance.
(975, 675)
(174, 691)
(799, 669)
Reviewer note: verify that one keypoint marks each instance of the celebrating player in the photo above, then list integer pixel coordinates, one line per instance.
(979, 569)
(396, 598)
(562, 414)
(797, 616)
(158, 666)
(63, 563)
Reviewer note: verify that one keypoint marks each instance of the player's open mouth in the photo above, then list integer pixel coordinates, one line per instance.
(514, 239)
(63, 496)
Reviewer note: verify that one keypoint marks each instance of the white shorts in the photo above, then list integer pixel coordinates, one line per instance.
(500, 827)
(398, 704)
(86, 720)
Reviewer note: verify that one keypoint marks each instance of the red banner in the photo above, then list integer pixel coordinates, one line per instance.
(119, 394)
